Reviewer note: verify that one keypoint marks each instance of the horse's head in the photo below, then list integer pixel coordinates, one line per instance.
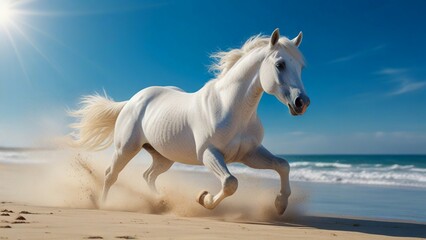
(281, 70)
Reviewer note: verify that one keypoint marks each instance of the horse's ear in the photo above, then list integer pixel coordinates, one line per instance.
(275, 37)
(298, 40)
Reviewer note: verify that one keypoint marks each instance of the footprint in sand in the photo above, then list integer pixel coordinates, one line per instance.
(26, 212)
(20, 220)
(126, 237)
(6, 211)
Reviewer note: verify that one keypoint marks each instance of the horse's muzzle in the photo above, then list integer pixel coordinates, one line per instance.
(300, 105)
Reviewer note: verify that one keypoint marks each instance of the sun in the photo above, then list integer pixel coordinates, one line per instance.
(17, 27)
(6, 12)
(15, 22)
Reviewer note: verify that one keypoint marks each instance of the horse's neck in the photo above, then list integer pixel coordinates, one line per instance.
(240, 90)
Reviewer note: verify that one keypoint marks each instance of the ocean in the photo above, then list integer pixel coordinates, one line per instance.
(389, 187)
(390, 170)
(385, 170)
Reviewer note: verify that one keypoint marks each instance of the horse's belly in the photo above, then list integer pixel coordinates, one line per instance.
(169, 133)
(178, 149)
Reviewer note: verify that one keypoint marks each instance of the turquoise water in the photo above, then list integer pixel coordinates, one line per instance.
(415, 160)
(389, 170)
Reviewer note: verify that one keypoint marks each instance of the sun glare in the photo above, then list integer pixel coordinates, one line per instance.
(15, 22)
(17, 27)
(6, 12)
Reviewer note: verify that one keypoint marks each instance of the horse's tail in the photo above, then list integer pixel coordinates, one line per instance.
(96, 122)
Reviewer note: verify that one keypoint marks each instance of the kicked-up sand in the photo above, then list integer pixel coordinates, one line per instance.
(58, 199)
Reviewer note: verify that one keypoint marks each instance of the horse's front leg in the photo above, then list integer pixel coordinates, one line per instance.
(263, 159)
(214, 160)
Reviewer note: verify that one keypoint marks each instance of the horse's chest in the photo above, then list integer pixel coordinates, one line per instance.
(239, 146)
(235, 143)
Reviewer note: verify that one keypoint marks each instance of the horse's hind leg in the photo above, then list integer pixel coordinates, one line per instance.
(159, 165)
(122, 155)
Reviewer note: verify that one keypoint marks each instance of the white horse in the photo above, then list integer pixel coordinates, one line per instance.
(214, 126)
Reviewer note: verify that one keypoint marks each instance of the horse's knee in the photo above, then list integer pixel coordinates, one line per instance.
(283, 166)
(230, 185)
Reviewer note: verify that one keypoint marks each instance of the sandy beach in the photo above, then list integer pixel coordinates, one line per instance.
(68, 223)
(58, 200)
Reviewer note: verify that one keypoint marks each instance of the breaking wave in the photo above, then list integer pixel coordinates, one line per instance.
(405, 171)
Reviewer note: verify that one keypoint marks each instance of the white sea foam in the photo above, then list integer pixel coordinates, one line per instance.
(396, 166)
(418, 169)
(320, 164)
(360, 177)
(12, 155)
(18, 158)
(327, 172)
(377, 174)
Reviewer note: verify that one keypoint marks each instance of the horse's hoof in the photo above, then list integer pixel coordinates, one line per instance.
(281, 204)
(281, 210)
(205, 199)
(201, 196)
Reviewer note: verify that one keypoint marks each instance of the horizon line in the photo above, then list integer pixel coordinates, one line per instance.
(50, 148)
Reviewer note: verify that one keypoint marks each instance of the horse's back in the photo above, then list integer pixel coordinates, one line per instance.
(162, 114)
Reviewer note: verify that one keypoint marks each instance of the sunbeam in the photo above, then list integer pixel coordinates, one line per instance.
(20, 2)
(18, 56)
(6, 12)
(17, 22)
(37, 49)
(13, 16)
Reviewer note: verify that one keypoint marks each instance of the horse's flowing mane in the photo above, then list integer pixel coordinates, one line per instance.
(224, 60)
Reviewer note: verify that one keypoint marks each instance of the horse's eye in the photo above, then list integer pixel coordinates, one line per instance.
(280, 66)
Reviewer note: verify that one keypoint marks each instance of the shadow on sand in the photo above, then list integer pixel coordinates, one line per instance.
(379, 227)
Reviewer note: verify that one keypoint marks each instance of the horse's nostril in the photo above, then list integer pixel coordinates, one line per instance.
(298, 102)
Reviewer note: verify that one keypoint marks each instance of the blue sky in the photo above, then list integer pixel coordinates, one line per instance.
(365, 75)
